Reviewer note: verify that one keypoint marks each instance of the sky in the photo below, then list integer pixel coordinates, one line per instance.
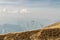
(28, 12)
(12, 11)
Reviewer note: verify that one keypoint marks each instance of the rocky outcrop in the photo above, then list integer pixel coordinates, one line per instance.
(51, 32)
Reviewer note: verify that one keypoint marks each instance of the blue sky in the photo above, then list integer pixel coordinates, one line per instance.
(31, 2)
(14, 10)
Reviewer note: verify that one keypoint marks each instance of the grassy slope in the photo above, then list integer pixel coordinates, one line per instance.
(51, 32)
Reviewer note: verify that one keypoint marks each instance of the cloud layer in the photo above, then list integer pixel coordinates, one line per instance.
(20, 9)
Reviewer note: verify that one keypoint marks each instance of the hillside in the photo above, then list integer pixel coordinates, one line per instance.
(50, 32)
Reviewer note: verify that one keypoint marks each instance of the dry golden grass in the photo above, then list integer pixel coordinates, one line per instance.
(51, 32)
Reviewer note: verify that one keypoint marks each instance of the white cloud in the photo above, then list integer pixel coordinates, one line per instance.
(22, 12)
(25, 10)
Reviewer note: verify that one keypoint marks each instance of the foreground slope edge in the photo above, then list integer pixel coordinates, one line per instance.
(50, 32)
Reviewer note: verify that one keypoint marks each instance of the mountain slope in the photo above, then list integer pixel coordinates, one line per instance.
(51, 32)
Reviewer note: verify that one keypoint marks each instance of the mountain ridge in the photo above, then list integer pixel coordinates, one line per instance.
(47, 33)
